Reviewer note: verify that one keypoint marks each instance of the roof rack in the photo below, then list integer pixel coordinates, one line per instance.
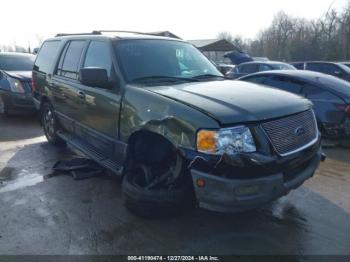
(64, 34)
(99, 32)
(119, 31)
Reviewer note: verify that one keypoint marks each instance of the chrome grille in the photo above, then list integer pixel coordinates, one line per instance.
(292, 133)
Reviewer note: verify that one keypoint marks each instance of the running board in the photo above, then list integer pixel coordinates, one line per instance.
(91, 152)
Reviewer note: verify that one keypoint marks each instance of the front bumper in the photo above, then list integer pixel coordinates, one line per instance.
(17, 102)
(239, 194)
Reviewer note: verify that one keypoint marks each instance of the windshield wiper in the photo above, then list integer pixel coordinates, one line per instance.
(165, 79)
(207, 76)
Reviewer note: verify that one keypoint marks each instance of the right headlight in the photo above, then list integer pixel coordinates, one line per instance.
(15, 85)
(231, 141)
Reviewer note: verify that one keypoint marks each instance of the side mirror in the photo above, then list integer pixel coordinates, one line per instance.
(94, 76)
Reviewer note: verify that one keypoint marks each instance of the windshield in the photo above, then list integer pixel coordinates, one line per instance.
(283, 67)
(162, 59)
(16, 62)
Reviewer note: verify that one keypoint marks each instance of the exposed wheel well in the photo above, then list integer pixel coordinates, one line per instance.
(150, 148)
(44, 100)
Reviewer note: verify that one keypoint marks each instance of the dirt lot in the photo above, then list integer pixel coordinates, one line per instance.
(58, 215)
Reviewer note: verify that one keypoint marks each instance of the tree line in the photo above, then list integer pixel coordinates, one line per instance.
(297, 39)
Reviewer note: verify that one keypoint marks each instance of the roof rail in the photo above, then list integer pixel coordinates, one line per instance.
(99, 32)
(119, 31)
(64, 34)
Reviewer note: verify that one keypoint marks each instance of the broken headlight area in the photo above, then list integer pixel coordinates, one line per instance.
(228, 141)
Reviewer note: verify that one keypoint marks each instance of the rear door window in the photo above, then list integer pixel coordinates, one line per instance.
(324, 68)
(314, 67)
(264, 67)
(299, 66)
(99, 55)
(46, 56)
(70, 59)
(285, 83)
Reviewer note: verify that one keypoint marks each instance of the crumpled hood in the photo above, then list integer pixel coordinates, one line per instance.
(232, 102)
(22, 75)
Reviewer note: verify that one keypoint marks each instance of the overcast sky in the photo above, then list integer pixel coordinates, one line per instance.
(22, 21)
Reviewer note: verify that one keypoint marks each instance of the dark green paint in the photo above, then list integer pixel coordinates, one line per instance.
(111, 116)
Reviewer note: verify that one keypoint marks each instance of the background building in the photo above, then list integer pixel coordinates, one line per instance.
(215, 49)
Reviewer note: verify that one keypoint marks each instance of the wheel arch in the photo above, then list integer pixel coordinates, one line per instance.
(145, 144)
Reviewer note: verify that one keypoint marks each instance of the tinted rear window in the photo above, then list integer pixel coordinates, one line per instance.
(46, 56)
(299, 66)
(17, 62)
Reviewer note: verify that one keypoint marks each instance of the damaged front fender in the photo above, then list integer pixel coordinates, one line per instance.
(173, 120)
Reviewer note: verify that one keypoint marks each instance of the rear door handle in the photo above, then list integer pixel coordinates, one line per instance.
(81, 95)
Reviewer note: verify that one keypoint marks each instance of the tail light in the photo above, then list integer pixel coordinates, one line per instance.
(33, 83)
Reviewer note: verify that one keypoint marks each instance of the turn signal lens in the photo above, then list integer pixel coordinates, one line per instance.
(206, 141)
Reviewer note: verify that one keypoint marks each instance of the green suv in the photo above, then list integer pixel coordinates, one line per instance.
(158, 113)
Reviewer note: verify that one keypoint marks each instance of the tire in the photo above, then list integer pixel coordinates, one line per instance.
(156, 202)
(50, 124)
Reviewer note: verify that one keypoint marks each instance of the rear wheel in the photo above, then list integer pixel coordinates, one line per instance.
(50, 124)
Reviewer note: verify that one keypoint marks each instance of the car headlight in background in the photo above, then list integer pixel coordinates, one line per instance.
(15, 85)
(231, 141)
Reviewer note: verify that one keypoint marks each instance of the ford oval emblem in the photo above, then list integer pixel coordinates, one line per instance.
(299, 131)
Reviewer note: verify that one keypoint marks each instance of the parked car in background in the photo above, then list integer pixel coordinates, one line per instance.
(330, 96)
(15, 82)
(260, 58)
(330, 68)
(224, 68)
(158, 113)
(253, 67)
(346, 63)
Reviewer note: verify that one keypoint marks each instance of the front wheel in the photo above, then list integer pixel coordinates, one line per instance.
(149, 192)
(50, 125)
